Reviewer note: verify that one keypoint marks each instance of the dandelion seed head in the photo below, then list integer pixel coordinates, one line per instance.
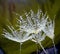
(33, 23)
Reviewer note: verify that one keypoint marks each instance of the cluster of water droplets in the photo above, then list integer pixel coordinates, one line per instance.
(34, 27)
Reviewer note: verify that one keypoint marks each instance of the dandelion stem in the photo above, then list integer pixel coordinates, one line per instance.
(20, 47)
(54, 46)
(42, 48)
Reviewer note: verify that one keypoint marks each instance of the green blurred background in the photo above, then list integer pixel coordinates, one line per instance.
(7, 7)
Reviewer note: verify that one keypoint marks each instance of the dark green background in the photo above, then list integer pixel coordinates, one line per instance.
(7, 7)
